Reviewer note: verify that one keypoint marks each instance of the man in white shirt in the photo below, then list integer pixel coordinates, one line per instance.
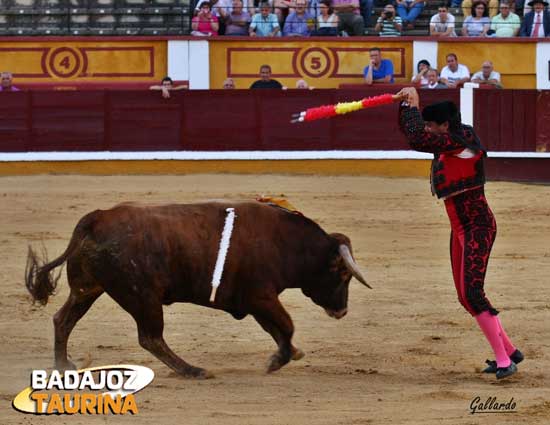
(442, 24)
(537, 22)
(487, 75)
(454, 74)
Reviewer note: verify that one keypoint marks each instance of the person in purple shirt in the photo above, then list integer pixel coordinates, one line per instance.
(380, 70)
(7, 82)
(299, 23)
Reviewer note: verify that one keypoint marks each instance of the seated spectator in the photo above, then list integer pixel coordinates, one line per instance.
(379, 70)
(302, 84)
(265, 81)
(237, 20)
(409, 10)
(283, 9)
(229, 84)
(433, 80)
(265, 23)
(350, 22)
(478, 23)
(327, 21)
(7, 80)
(166, 86)
(454, 74)
(365, 8)
(205, 24)
(487, 75)
(537, 22)
(299, 23)
(388, 24)
(491, 5)
(506, 23)
(442, 24)
(420, 78)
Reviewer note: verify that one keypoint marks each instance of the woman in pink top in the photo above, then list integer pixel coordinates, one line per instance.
(205, 24)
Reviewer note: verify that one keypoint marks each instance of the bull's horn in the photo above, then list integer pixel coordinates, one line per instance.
(350, 264)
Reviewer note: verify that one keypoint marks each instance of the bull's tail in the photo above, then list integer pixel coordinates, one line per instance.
(40, 279)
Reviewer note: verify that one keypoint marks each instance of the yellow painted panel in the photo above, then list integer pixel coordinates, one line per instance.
(323, 64)
(510, 59)
(84, 61)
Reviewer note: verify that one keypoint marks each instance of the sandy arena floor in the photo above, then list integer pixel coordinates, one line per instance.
(406, 353)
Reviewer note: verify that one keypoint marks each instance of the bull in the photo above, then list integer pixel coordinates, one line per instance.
(145, 257)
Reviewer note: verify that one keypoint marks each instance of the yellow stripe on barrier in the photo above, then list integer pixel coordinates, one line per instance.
(378, 167)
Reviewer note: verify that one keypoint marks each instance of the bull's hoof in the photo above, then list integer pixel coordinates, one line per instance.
(276, 362)
(297, 354)
(198, 373)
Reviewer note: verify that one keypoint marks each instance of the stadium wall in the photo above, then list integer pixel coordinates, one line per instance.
(110, 132)
(324, 62)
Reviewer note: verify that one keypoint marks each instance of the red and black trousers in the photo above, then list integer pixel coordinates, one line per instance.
(473, 231)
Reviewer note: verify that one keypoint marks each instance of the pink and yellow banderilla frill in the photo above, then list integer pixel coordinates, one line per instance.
(328, 111)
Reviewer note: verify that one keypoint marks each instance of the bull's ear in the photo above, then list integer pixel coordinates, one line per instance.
(351, 265)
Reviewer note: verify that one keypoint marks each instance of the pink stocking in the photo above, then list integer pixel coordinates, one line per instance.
(489, 325)
(508, 346)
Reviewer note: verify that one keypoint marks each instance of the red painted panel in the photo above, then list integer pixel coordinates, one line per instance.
(505, 119)
(220, 120)
(519, 169)
(543, 121)
(144, 121)
(67, 121)
(13, 121)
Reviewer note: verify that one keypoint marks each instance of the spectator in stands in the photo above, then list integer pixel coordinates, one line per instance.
(506, 23)
(7, 80)
(366, 7)
(379, 70)
(265, 81)
(265, 23)
(487, 75)
(283, 9)
(492, 7)
(388, 24)
(350, 22)
(229, 84)
(537, 22)
(302, 84)
(299, 23)
(433, 80)
(442, 24)
(454, 74)
(237, 20)
(327, 21)
(421, 69)
(205, 24)
(167, 85)
(478, 23)
(409, 11)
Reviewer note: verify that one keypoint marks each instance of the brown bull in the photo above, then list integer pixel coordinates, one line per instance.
(145, 257)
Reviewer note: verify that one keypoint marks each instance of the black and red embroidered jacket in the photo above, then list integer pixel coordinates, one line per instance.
(450, 173)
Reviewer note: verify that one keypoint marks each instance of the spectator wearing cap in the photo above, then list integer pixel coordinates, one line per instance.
(537, 22)
(506, 23)
(7, 80)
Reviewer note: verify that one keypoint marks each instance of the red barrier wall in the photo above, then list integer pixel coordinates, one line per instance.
(194, 120)
(121, 120)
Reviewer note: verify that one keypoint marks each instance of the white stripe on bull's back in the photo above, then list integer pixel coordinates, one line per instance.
(222, 252)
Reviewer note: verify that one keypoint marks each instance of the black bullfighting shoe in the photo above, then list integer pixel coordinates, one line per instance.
(504, 372)
(516, 357)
